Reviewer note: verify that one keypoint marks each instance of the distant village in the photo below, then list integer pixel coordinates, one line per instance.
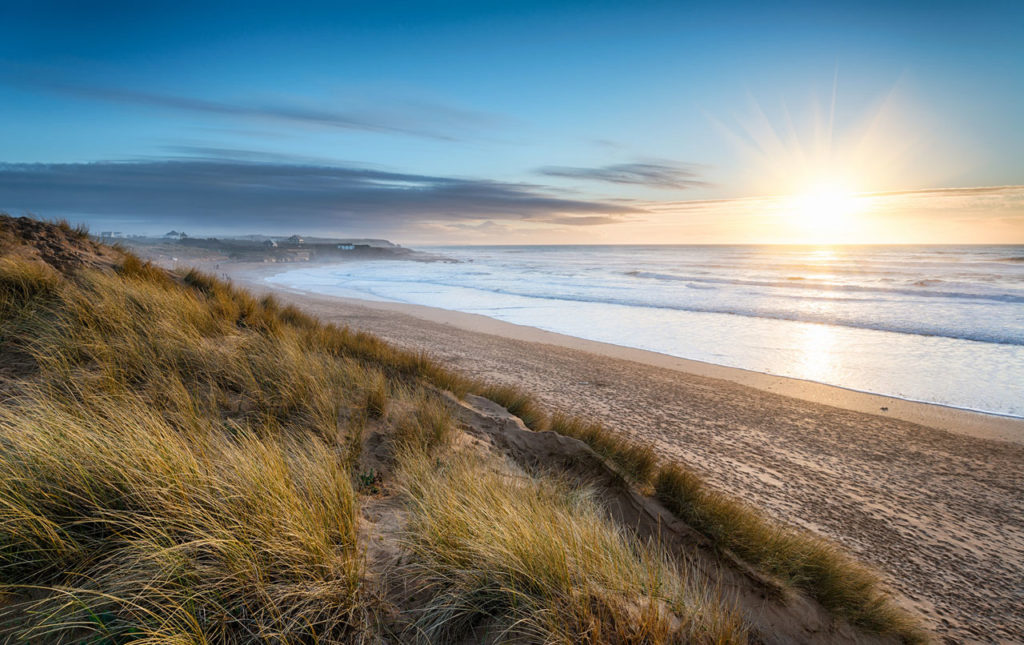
(264, 248)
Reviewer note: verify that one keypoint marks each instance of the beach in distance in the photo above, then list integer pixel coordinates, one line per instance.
(899, 321)
(933, 495)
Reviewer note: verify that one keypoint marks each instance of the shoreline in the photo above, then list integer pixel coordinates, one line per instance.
(974, 423)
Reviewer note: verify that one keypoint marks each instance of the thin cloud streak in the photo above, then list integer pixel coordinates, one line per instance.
(1014, 191)
(410, 118)
(966, 191)
(655, 175)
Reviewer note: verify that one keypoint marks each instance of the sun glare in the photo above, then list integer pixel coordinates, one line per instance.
(825, 212)
(824, 164)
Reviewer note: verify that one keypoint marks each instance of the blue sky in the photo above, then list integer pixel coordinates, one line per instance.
(521, 121)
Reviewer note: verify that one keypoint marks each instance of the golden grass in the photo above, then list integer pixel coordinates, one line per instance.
(501, 555)
(637, 461)
(517, 401)
(22, 281)
(79, 231)
(133, 267)
(425, 430)
(173, 471)
(799, 559)
(137, 529)
(194, 482)
(177, 469)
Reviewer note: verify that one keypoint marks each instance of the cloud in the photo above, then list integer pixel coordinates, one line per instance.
(655, 175)
(582, 220)
(412, 118)
(1010, 194)
(953, 192)
(228, 194)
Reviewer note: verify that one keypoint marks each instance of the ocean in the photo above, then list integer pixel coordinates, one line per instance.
(940, 324)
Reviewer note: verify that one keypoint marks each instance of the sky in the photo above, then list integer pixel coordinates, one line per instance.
(519, 122)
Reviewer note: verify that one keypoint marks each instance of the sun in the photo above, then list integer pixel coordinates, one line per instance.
(824, 168)
(825, 211)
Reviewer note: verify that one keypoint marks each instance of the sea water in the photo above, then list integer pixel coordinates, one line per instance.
(941, 324)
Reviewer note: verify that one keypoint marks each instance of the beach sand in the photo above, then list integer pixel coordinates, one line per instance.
(931, 496)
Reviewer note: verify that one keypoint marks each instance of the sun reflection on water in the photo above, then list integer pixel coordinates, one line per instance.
(823, 254)
(816, 345)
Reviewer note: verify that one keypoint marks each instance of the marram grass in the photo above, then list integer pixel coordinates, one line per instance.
(796, 558)
(175, 466)
(502, 554)
(172, 470)
(142, 530)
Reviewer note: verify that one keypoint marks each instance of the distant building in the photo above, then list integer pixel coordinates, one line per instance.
(106, 234)
(296, 239)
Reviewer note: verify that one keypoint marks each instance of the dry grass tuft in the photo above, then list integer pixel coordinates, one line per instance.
(130, 528)
(517, 401)
(638, 462)
(427, 429)
(507, 556)
(78, 231)
(173, 470)
(376, 395)
(134, 267)
(21, 281)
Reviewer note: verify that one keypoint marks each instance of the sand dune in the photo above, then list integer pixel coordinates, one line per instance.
(934, 504)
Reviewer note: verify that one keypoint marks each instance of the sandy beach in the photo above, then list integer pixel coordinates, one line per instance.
(931, 496)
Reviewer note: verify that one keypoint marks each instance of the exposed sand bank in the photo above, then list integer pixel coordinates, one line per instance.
(923, 492)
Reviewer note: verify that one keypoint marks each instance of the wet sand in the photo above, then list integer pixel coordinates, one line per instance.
(932, 496)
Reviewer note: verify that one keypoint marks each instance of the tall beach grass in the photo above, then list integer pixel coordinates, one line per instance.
(506, 555)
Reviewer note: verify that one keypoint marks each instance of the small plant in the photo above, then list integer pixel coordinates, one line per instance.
(369, 481)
